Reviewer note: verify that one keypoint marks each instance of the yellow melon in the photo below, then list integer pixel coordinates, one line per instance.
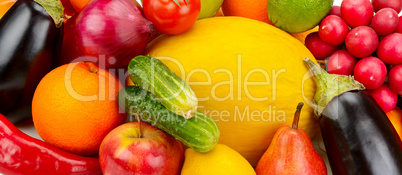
(248, 76)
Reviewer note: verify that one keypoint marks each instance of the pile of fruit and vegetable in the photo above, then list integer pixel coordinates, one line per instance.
(201, 86)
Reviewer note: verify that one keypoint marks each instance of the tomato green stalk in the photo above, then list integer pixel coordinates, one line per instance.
(178, 4)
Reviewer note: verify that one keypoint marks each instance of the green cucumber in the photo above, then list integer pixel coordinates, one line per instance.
(201, 133)
(173, 92)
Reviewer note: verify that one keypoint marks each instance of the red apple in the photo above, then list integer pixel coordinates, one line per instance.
(124, 151)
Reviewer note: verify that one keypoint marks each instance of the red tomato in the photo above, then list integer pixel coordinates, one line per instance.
(171, 18)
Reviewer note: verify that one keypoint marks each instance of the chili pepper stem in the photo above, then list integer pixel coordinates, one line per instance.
(329, 85)
(296, 118)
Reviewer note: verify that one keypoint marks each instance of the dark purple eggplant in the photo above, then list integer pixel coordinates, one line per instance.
(30, 43)
(399, 104)
(358, 136)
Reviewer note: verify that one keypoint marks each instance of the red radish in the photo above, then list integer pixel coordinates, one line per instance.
(399, 27)
(385, 97)
(385, 21)
(335, 10)
(361, 41)
(333, 30)
(357, 12)
(341, 62)
(371, 72)
(380, 4)
(390, 49)
(395, 79)
(319, 48)
(112, 29)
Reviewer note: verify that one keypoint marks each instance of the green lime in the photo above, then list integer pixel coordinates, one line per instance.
(295, 16)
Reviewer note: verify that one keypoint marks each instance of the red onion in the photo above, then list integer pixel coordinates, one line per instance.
(115, 31)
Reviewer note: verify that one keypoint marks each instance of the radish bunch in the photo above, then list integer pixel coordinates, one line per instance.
(364, 39)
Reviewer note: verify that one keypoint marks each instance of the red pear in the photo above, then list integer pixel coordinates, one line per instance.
(291, 152)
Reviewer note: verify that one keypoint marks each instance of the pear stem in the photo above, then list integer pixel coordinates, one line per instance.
(296, 118)
(139, 123)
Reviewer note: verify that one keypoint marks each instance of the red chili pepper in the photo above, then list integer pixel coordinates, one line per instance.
(22, 154)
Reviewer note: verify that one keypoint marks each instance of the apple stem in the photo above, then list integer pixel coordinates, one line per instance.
(139, 123)
(297, 116)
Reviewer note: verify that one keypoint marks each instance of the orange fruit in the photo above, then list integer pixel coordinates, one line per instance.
(253, 9)
(75, 106)
(5, 5)
(219, 13)
(79, 4)
(302, 35)
(395, 116)
(129, 82)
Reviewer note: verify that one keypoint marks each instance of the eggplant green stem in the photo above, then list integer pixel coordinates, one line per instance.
(55, 10)
(329, 85)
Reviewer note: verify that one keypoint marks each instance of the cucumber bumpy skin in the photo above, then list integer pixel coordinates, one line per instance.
(173, 92)
(201, 133)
